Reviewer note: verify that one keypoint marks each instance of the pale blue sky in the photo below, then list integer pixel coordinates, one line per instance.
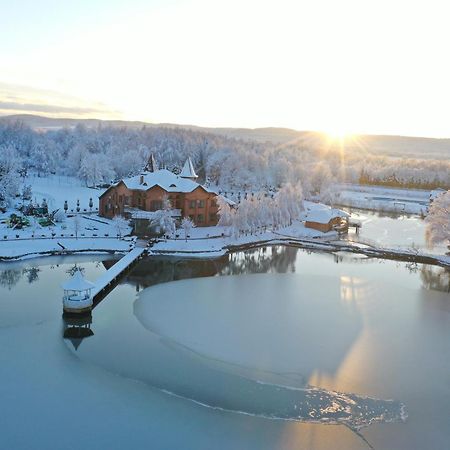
(338, 66)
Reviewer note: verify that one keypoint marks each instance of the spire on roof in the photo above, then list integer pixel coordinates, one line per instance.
(188, 170)
(151, 165)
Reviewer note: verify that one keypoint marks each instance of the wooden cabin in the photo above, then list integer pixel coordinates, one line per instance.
(324, 218)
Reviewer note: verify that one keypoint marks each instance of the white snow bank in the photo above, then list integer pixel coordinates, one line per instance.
(35, 247)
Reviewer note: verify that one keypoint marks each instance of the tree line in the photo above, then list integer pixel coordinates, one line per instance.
(104, 154)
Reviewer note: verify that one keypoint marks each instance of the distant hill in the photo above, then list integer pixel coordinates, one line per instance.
(401, 146)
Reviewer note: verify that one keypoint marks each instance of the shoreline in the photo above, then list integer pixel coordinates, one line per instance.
(404, 255)
(219, 247)
(23, 249)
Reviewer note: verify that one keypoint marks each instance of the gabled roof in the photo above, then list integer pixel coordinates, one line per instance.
(77, 283)
(188, 170)
(164, 179)
(320, 213)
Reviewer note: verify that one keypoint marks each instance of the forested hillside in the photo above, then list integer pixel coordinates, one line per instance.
(102, 153)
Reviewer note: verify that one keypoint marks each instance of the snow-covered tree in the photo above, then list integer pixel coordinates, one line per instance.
(320, 178)
(289, 200)
(165, 217)
(9, 176)
(27, 192)
(438, 220)
(187, 224)
(121, 225)
(34, 226)
(41, 157)
(95, 169)
(224, 212)
(76, 225)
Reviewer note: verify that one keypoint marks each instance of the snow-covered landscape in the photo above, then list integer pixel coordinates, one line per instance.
(262, 225)
(224, 225)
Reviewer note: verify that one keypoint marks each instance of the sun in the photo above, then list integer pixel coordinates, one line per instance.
(338, 134)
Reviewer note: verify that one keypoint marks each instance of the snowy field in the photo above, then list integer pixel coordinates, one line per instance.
(380, 198)
(77, 232)
(58, 188)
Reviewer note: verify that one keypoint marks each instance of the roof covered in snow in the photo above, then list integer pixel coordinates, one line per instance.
(188, 170)
(320, 213)
(163, 178)
(77, 283)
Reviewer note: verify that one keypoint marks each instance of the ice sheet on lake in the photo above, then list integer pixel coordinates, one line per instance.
(249, 344)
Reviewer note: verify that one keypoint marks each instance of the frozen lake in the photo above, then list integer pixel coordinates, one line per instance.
(392, 230)
(270, 349)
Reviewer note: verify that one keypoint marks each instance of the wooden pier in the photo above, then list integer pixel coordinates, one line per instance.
(109, 279)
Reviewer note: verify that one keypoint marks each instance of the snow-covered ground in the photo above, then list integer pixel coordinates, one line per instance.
(77, 232)
(56, 189)
(214, 241)
(380, 198)
(82, 232)
(91, 233)
(29, 248)
(78, 225)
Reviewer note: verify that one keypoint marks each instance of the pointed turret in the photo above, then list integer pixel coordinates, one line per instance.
(188, 170)
(151, 165)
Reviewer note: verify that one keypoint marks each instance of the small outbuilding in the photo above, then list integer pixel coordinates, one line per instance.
(324, 218)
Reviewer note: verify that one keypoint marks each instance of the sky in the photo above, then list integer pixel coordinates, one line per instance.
(347, 66)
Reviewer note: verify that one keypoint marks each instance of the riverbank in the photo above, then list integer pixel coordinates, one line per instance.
(13, 250)
(291, 236)
(383, 198)
(203, 246)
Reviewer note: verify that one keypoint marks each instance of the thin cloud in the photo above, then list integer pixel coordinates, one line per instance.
(15, 99)
(28, 107)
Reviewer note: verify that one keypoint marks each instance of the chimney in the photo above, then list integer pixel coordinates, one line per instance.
(141, 181)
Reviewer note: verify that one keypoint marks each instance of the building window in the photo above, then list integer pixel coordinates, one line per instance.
(200, 218)
(213, 217)
(155, 205)
(192, 204)
(192, 217)
(120, 199)
(201, 203)
(177, 204)
(214, 203)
